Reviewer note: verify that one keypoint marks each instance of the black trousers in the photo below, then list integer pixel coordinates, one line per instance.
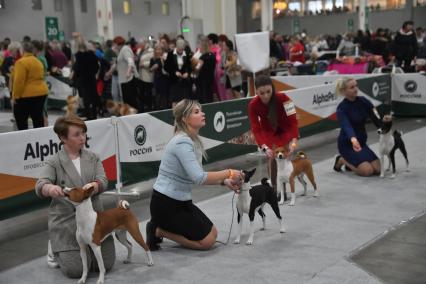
(131, 94)
(29, 107)
(146, 91)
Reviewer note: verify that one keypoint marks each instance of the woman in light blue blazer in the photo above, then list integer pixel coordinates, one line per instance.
(173, 215)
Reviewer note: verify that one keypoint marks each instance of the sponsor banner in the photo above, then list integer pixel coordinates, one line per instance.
(410, 88)
(253, 51)
(320, 102)
(283, 83)
(143, 137)
(27, 152)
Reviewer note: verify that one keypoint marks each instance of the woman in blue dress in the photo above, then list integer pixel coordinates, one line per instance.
(352, 114)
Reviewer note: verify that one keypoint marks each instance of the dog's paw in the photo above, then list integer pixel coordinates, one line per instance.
(237, 241)
(149, 260)
(249, 242)
(283, 230)
(127, 261)
(393, 176)
(382, 175)
(281, 203)
(82, 280)
(316, 194)
(100, 281)
(292, 203)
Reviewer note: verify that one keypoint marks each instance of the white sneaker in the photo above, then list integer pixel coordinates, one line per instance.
(51, 262)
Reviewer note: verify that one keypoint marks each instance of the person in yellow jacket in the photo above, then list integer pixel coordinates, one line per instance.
(29, 89)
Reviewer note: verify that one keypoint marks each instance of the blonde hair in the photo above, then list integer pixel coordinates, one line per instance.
(181, 112)
(341, 84)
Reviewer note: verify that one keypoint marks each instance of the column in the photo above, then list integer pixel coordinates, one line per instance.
(267, 23)
(361, 14)
(229, 17)
(104, 19)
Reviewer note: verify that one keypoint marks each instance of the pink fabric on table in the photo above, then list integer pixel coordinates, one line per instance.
(358, 68)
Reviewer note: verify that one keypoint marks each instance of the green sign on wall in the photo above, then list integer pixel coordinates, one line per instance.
(296, 25)
(350, 25)
(52, 28)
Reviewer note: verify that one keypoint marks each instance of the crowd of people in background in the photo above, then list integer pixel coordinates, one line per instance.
(154, 74)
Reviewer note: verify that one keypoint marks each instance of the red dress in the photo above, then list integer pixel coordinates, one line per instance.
(300, 50)
(286, 122)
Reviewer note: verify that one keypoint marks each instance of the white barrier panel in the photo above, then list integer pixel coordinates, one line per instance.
(24, 153)
(409, 88)
(58, 90)
(253, 50)
(409, 94)
(143, 137)
(320, 101)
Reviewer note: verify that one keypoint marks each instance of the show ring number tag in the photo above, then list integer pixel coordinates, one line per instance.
(289, 108)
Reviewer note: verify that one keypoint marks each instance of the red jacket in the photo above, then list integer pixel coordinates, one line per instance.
(286, 125)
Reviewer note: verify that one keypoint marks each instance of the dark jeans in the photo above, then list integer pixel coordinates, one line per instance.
(29, 107)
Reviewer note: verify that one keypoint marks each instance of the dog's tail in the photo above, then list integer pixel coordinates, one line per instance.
(124, 204)
(265, 181)
(301, 155)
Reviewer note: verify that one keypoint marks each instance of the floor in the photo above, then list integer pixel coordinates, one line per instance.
(360, 230)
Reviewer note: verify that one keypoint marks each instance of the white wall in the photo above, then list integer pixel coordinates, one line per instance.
(139, 24)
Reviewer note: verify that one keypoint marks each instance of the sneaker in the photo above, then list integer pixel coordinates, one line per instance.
(337, 169)
(151, 240)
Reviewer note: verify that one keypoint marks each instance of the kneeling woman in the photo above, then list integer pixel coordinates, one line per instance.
(352, 114)
(173, 215)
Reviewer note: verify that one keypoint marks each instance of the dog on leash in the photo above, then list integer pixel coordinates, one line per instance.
(388, 143)
(252, 199)
(287, 170)
(93, 227)
(73, 103)
(120, 109)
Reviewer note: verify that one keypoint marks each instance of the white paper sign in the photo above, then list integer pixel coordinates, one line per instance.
(253, 50)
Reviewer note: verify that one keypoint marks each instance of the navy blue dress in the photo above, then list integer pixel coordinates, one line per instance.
(352, 117)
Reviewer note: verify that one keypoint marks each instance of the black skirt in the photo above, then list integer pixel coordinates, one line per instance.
(179, 217)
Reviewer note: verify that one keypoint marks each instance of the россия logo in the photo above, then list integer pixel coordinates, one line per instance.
(410, 86)
(140, 135)
(219, 121)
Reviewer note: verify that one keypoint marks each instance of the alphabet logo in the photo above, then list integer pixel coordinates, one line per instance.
(140, 135)
(219, 121)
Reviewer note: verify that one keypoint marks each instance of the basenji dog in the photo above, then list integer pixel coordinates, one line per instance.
(93, 227)
(252, 199)
(287, 170)
(388, 143)
(120, 109)
(73, 103)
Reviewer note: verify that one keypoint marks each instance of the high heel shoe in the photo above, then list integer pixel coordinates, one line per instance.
(336, 161)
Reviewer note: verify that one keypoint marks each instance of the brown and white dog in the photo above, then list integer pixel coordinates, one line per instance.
(287, 170)
(73, 103)
(93, 227)
(120, 109)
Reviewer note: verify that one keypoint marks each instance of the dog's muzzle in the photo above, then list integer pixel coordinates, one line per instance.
(280, 156)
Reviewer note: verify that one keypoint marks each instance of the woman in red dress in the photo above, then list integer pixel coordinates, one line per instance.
(273, 121)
